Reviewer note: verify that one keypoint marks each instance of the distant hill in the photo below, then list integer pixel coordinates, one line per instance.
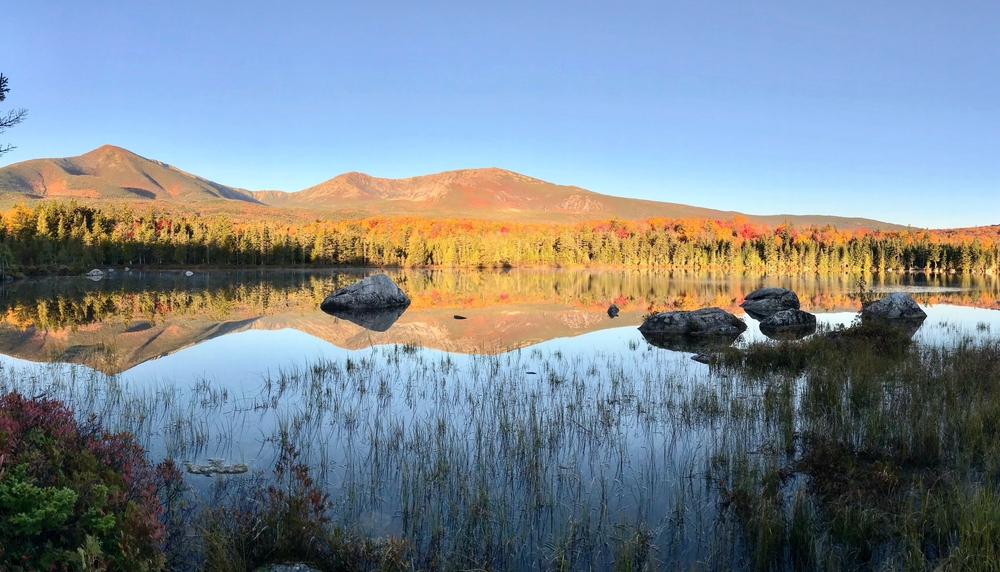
(111, 172)
(498, 194)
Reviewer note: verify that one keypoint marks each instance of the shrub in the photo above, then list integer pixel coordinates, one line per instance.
(73, 496)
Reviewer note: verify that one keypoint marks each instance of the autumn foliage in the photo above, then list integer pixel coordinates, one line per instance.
(72, 496)
(58, 236)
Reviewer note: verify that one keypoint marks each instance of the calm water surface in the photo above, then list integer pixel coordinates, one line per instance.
(537, 403)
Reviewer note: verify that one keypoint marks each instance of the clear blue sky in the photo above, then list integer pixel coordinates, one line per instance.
(889, 110)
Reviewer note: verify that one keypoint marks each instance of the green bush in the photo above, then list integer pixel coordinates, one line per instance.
(73, 496)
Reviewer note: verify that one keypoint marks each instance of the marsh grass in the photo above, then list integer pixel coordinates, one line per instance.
(896, 453)
(853, 449)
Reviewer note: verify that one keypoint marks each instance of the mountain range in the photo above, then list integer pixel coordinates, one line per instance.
(111, 173)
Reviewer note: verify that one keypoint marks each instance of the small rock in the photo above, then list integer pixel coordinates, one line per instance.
(189, 273)
(95, 273)
(612, 311)
(457, 317)
(701, 358)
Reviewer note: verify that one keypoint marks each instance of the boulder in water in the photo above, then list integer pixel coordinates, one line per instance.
(764, 302)
(698, 323)
(895, 306)
(375, 291)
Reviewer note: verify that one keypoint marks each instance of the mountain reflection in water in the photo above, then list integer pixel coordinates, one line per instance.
(129, 318)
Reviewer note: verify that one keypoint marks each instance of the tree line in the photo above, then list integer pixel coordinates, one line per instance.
(70, 237)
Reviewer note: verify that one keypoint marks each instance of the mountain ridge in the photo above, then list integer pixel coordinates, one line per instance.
(111, 173)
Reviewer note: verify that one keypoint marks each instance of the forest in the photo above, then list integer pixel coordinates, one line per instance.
(53, 237)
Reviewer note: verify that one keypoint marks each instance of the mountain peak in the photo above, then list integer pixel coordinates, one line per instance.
(112, 172)
(109, 150)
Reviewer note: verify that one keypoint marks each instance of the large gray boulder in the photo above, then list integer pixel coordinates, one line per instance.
(764, 302)
(703, 322)
(895, 306)
(375, 291)
(789, 325)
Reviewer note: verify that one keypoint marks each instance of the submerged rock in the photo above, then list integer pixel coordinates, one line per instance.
(215, 467)
(613, 311)
(698, 323)
(895, 306)
(297, 567)
(764, 302)
(789, 325)
(375, 291)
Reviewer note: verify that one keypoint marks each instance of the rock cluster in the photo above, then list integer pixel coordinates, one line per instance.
(706, 330)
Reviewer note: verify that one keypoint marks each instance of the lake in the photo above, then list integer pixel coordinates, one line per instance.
(503, 407)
